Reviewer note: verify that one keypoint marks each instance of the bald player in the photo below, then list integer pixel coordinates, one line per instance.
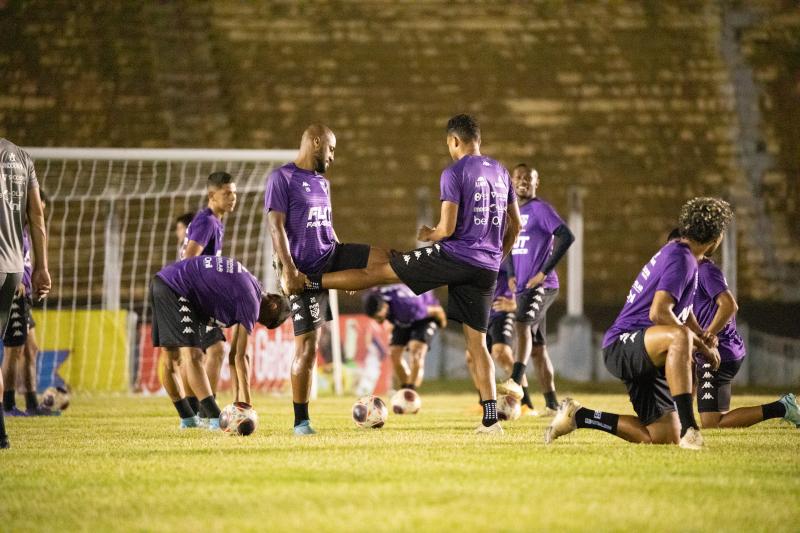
(298, 206)
(20, 203)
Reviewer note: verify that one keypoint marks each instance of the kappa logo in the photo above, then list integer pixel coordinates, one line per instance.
(437, 246)
(15, 315)
(540, 289)
(707, 375)
(16, 324)
(534, 305)
(628, 337)
(707, 396)
(598, 415)
(429, 250)
(188, 330)
(486, 163)
(531, 313)
(297, 317)
(507, 330)
(708, 385)
(407, 258)
(480, 182)
(295, 306)
(184, 309)
(538, 298)
(306, 186)
(185, 320)
(18, 333)
(14, 305)
(182, 299)
(706, 365)
(417, 254)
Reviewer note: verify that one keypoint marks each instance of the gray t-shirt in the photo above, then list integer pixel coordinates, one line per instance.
(17, 177)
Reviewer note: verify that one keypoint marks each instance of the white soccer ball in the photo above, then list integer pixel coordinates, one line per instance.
(55, 398)
(370, 412)
(238, 418)
(508, 407)
(406, 402)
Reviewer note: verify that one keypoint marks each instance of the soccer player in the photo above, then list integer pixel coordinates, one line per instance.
(650, 345)
(185, 297)
(204, 235)
(415, 320)
(715, 308)
(298, 205)
(478, 225)
(181, 224)
(19, 203)
(542, 242)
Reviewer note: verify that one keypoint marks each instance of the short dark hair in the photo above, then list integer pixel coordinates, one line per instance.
(704, 219)
(674, 234)
(465, 127)
(219, 178)
(274, 310)
(520, 165)
(184, 219)
(372, 303)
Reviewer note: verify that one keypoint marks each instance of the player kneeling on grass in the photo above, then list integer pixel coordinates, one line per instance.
(415, 320)
(650, 345)
(715, 308)
(185, 298)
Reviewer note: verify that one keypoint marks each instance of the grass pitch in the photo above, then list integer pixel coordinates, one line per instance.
(120, 463)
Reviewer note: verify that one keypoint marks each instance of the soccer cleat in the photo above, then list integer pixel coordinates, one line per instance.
(549, 412)
(42, 411)
(529, 411)
(494, 429)
(564, 421)
(304, 428)
(510, 388)
(4, 443)
(190, 422)
(692, 440)
(213, 424)
(15, 411)
(203, 423)
(792, 410)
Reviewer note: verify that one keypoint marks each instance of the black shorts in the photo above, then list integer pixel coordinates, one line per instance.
(626, 358)
(714, 386)
(176, 323)
(470, 288)
(310, 309)
(532, 306)
(421, 330)
(211, 336)
(501, 330)
(17, 329)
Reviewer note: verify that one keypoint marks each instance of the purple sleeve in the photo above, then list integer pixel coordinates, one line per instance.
(450, 187)
(677, 275)
(200, 230)
(430, 299)
(712, 280)
(277, 195)
(551, 219)
(512, 194)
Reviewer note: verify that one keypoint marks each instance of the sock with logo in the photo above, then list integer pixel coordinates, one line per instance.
(489, 412)
(517, 372)
(773, 410)
(526, 398)
(683, 402)
(586, 418)
(550, 400)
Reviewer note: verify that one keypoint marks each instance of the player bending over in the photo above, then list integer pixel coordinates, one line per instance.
(188, 295)
(650, 345)
(715, 308)
(204, 236)
(542, 242)
(478, 224)
(415, 320)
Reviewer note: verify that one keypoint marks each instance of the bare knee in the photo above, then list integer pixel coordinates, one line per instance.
(306, 348)
(711, 420)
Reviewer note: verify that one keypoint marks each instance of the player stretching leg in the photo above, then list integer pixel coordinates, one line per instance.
(19, 204)
(204, 236)
(298, 204)
(185, 297)
(478, 224)
(543, 241)
(415, 319)
(715, 308)
(650, 349)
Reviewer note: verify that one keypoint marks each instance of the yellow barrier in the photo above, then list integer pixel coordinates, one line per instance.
(98, 347)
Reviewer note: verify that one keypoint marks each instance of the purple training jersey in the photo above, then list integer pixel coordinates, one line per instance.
(206, 230)
(672, 269)
(302, 195)
(535, 243)
(219, 287)
(482, 189)
(405, 307)
(710, 284)
(26, 259)
(501, 290)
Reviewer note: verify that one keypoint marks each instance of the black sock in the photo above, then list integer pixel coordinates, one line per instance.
(31, 402)
(183, 408)
(586, 418)
(685, 412)
(8, 399)
(201, 412)
(773, 410)
(2, 423)
(489, 412)
(211, 407)
(194, 404)
(526, 398)
(409, 386)
(300, 412)
(550, 400)
(517, 372)
(314, 282)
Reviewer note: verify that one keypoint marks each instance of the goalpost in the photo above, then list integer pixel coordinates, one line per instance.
(110, 219)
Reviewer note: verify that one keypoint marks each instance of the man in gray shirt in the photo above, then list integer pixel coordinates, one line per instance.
(19, 204)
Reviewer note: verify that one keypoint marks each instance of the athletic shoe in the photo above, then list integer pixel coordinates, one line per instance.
(564, 421)
(692, 440)
(549, 412)
(529, 411)
(15, 411)
(4, 445)
(304, 428)
(190, 422)
(511, 388)
(213, 424)
(203, 423)
(42, 411)
(494, 429)
(792, 410)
